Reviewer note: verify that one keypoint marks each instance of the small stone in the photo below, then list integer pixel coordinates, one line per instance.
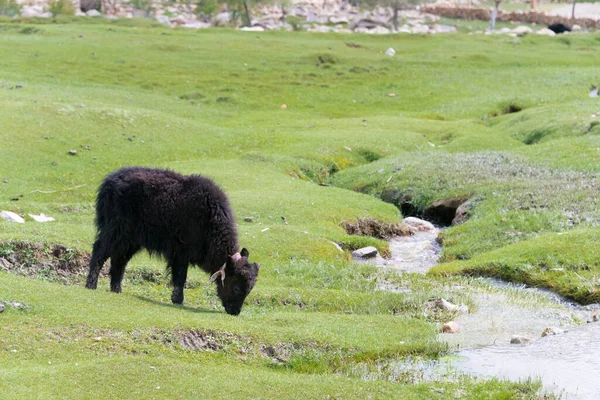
(390, 52)
(283, 106)
(11, 216)
(2, 308)
(365, 252)
(249, 219)
(73, 152)
(552, 331)
(41, 218)
(97, 339)
(518, 339)
(81, 105)
(450, 327)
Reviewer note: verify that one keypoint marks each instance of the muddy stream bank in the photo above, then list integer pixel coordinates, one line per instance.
(567, 359)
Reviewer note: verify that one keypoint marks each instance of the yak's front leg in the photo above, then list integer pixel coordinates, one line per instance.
(179, 276)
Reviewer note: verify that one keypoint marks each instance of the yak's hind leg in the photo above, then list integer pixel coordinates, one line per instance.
(178, 275)
(118, 262)
(99, 257)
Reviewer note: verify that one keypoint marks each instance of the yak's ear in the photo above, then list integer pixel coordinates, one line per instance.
(244, 253)
(221, 273)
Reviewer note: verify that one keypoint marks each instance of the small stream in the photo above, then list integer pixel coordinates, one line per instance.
(568, 364)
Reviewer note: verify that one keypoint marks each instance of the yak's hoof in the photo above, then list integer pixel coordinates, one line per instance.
(91, 285)
(115, 289)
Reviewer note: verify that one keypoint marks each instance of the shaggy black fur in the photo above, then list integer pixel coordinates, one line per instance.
(559, 28)
(185, 219)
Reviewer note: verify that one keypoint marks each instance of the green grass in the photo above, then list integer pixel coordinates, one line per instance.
(130, 93)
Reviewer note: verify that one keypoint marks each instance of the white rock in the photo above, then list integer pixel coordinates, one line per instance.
(522, 29)
(420, 29)
(594, 92)
(34, 11)
(365, 252)
(390, 52)
(93, 13)
(576, 28)
(196, 25)
(41, 218)
(11, 217)
(379, 30)
(418, 225)
(546, 32)
(252, 29)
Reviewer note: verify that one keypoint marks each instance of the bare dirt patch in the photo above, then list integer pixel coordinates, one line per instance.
(53, 261)
(374, 228)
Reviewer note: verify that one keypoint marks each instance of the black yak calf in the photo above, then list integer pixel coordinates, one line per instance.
(185, 219)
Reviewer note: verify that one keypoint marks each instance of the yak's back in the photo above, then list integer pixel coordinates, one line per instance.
(155, 197)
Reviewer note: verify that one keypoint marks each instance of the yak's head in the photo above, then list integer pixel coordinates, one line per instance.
(235, 280)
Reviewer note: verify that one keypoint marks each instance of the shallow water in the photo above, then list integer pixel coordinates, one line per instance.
(416, 253)
(568, 364)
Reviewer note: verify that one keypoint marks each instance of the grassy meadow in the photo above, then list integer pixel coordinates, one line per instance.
(430, 121)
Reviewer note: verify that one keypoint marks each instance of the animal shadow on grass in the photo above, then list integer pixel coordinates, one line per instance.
(186, 308)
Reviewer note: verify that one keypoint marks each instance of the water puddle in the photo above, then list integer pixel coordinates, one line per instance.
(568, 364)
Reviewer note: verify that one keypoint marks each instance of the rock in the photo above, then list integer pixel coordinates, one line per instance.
(338, 20)
(366, 24)
(390, 52)
(518, 339)
(41, 218)
(73, 152)
(34, 12)
(576, 28)
(223, 17)
(418, 225)
(365, 252)
(196, 25)
(87, 5)
(420, 29)
(283, 107)
(441, 28)
(163, 19)
(2, 308)
(446, 305)
(450, 327)
(462, 213)
(11, 217)
(593, 92)
(552, 331)
(93, 13)
(249, 219)
(178, 20)
(443, 212)
(252, 29)
(521, 30)
(546, 32)
(379, 30)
